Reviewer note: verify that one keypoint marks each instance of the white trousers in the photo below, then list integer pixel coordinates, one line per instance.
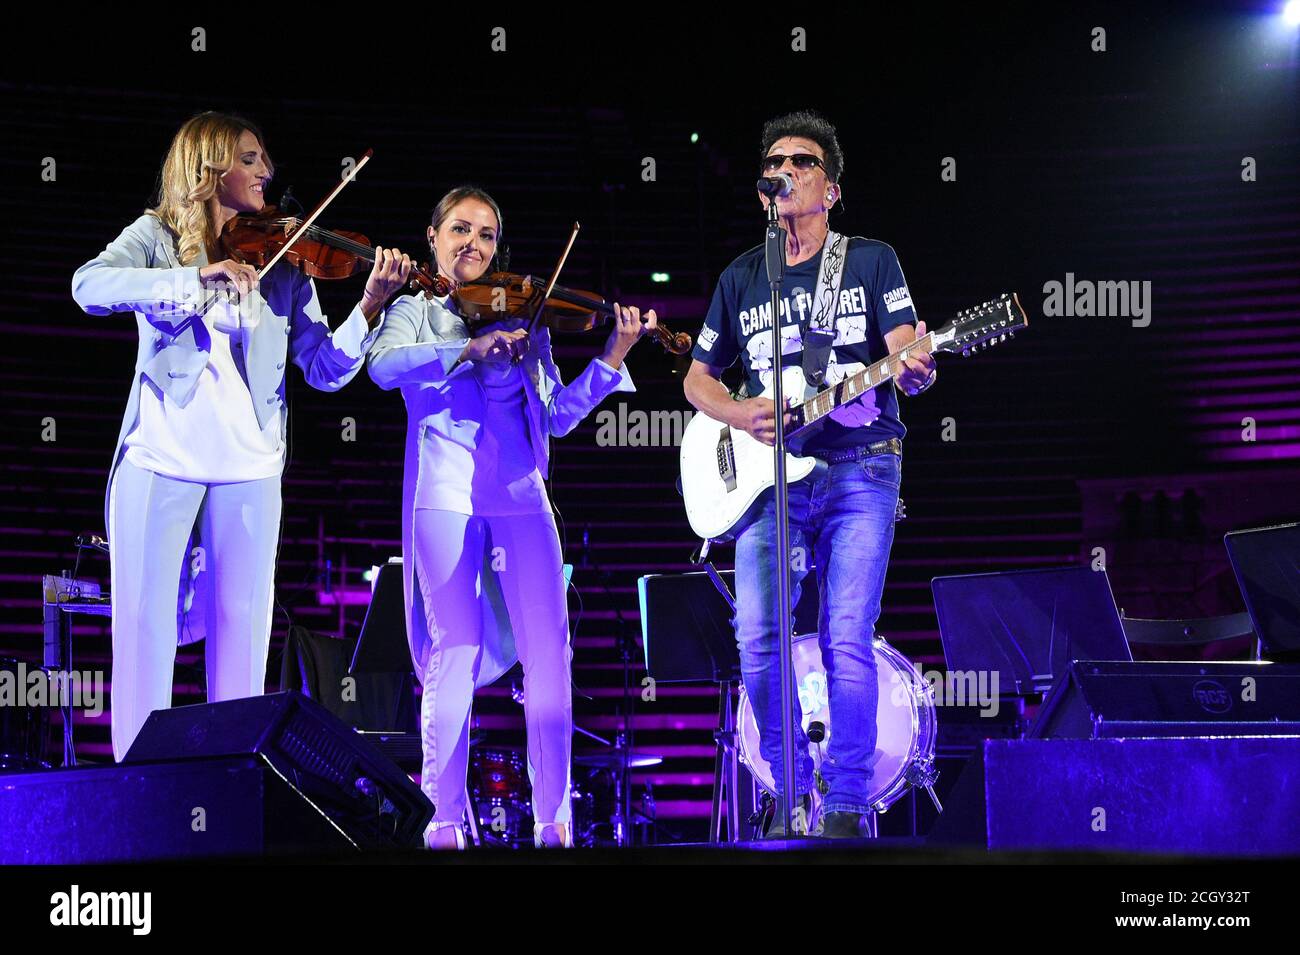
(150, 520)
(449, 549)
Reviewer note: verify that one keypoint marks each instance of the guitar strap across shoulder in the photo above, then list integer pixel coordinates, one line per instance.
(819, 327)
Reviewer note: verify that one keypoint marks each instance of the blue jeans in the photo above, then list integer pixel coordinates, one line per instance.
(841, 519)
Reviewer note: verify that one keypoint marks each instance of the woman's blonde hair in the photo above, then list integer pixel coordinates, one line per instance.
(203, 150)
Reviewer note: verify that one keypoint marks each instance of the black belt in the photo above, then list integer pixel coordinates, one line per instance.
(888, 446)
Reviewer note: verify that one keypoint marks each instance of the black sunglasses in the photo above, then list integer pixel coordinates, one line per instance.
(774, 162)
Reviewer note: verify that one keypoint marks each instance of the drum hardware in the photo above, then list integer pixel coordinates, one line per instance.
(625, 739)
(614, 760)
(619, 761)
(726, 761)
(689, 637)
(499, 797)
(923, 775)
(499, 794)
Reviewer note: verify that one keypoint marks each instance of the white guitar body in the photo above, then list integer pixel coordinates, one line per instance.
(724, 470)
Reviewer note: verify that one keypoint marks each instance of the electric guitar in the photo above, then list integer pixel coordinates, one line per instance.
(724, 469)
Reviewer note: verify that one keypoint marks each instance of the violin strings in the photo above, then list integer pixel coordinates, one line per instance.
(342, 242)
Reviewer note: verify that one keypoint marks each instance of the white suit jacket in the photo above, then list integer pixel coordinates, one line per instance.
(139, 272)
(418, 344)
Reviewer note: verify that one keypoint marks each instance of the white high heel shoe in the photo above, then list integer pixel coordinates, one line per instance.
(433, 829)
(553, 835)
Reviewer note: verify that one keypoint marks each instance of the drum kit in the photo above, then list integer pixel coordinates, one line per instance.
(906, 730)
(501, 796)
(500, 791)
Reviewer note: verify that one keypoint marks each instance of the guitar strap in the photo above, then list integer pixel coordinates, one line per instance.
(818, 329)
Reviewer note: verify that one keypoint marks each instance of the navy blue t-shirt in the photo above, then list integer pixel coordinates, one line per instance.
(873, 300)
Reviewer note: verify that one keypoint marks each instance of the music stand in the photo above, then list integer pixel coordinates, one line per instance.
(1028, 625)
(381, 645)
(382, 651)
(688, 637)
(1266, 562)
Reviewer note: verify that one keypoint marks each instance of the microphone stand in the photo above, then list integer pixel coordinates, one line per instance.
(774, 248)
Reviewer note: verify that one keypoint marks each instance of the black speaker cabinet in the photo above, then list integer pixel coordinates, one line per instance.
(363, 792)
(1099, 700)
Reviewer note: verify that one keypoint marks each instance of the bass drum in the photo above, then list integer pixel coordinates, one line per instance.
(905, 722)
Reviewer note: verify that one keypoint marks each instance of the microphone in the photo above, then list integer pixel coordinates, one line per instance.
(288, 201)
(816, 731)
(776, 186)
(92, 542)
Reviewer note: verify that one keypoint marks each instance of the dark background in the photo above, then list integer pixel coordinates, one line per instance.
(1083, 433)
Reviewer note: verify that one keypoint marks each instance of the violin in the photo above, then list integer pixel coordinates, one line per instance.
(320, 253)
(507, 295)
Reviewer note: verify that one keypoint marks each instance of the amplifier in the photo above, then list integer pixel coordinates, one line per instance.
(1114, 699)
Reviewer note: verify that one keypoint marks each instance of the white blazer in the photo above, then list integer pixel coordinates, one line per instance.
(139, 272)
(418, 344)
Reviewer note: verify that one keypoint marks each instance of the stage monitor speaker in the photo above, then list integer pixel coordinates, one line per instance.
(1112, 699)
(230, 807)
(1198, 796)
(365, 794)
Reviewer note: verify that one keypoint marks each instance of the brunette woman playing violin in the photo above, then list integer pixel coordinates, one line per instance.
(194, 490)
(482, 565)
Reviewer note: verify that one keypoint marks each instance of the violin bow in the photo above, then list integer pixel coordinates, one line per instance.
(555, 278)
(303, 228)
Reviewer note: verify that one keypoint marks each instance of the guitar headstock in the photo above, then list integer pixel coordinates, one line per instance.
(980, 327)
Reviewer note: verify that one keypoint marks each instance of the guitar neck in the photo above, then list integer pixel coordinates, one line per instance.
(822, 404)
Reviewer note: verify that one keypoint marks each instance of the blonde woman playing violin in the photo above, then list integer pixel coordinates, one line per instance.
(194, 490)
(484, 577)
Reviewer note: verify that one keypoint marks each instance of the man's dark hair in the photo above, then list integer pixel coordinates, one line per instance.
(808, 125)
